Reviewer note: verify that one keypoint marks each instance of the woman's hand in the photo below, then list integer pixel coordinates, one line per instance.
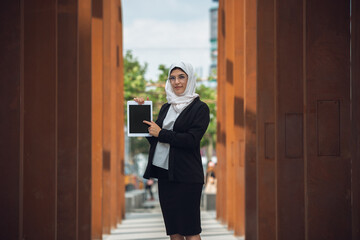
(154, 129)
(140, 100)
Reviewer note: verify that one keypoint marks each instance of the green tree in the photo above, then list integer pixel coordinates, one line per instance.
(134, 86)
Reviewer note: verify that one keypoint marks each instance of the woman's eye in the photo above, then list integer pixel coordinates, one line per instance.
(181, 76)
(172, 78)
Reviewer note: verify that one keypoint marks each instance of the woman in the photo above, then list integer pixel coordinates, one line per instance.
(174, 156)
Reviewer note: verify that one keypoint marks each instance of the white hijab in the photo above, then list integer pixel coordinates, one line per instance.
(182, 101)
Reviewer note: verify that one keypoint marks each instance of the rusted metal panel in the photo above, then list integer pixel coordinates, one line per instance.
(85, 120)
(355, 113)
(289, 130)
(107, 153)
(120, 116)
(266, 120)
(97, 119)
(328, 77)
(229, 112)
(10, 110)
(40, 133)
(328, 127)
(269, 142)
(67, 125)
(239, 78)
(294, 135)
(221, 135)
(251, 221)
(114, 203)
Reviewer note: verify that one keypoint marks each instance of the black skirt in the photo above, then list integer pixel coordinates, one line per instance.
(180, 205)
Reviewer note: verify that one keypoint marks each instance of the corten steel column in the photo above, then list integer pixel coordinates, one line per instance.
(266, 164)
(239, 78)
(97, 118)
(67, 120)
(40, 120)
(10, 120)
(355, 107)
(84, 120)
(120, 114)
(114, 204)
(229, 112)
(327, 120)
(289, 74)
(106, 191)
(250, 120)
(221, 134)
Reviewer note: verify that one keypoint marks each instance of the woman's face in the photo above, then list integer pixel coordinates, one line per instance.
(178, 80)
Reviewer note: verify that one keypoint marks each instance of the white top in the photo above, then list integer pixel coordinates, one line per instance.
(161, 155)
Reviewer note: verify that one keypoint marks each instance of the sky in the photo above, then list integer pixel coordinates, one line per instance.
(168, 31)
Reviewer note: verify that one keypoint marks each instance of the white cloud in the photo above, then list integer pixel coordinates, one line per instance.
(150, 33)
(164, 42)
(167, 31)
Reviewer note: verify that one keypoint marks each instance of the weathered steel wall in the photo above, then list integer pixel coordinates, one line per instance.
(61, 139)
(285, 110)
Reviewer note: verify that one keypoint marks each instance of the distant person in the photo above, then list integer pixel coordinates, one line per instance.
(148, 188)
(210, 182)
(174, 156)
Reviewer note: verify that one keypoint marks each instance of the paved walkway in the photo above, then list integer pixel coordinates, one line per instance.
(147, 224)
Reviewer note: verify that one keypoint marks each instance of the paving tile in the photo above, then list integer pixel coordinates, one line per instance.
(147, 224)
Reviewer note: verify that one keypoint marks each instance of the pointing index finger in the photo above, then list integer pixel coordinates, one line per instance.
(147, 122)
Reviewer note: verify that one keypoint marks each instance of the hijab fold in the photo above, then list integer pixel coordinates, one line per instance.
(180, 102)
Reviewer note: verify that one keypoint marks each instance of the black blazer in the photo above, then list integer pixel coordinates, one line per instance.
(184, 157)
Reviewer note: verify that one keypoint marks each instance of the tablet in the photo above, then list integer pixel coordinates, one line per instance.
(136, 114)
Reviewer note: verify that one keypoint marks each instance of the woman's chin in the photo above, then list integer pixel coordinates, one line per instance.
(179, 92)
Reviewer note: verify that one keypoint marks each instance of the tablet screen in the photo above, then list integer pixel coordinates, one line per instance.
(136, 114)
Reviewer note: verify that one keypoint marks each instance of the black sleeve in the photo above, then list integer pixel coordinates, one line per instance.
(152, 139)
(191, 138)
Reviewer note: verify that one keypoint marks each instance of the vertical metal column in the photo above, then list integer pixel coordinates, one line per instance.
(67, 120)
(10, 111)
(97, 117)
(221, 105)
(355, 114)
(250, 110)
(229, 112)
(84, 120)
(40, 120)
(290, 196)
(120, 113)
(239, 91)
(106, 192)
(327, 120)
(266, 165)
